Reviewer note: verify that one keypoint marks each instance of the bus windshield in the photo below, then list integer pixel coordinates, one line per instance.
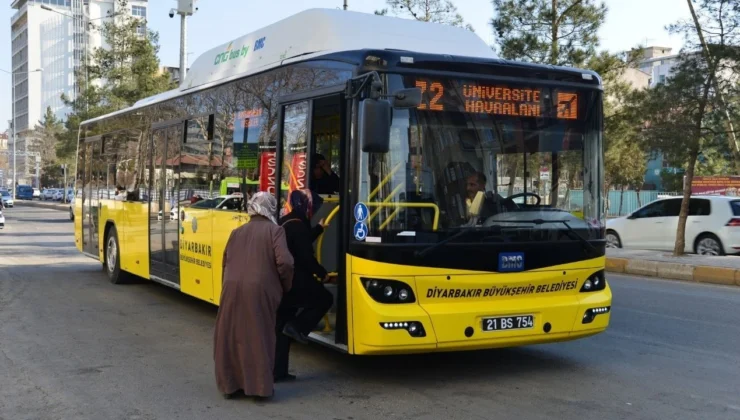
(480, 154)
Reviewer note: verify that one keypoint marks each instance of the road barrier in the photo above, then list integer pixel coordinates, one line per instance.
(675, 271)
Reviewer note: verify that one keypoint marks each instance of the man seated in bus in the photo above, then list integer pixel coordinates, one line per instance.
(323, 180)
(481, 204)
(120, 194)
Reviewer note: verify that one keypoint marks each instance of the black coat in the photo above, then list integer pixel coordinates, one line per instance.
(300, 237)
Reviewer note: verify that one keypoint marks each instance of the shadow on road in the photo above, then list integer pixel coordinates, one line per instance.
(43, 234)
(59, 221)
(420, 370)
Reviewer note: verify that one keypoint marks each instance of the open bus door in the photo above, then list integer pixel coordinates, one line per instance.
(314, 123)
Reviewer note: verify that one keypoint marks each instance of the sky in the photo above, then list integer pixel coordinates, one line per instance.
(628, 23)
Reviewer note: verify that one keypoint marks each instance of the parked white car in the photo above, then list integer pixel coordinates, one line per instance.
(712, 227)
(222, 202)
(48, 194)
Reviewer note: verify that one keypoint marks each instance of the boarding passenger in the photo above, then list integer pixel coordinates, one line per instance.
(324, 180)
(308, 293)
(257, 272)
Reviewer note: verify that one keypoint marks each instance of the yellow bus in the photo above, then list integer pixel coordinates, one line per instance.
(468, 212)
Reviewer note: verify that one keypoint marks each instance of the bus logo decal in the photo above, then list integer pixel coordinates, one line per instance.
(510, 261)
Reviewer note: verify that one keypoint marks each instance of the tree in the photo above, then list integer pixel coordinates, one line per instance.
(129, 67)
(116, 77)
(723, 22)
(437, 11)
(625, 161)
(679, 115)
(558, 32)
(45, 137)
(685, 115)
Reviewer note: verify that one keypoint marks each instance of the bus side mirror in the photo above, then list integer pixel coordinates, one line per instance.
(406, 98)
(374, 126)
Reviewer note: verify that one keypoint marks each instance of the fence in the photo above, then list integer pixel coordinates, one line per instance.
(627, 202)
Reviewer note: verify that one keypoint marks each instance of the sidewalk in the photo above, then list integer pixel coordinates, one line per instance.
(698, 268)
(52, 205)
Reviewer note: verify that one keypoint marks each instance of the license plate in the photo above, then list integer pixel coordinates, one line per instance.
(519, 322)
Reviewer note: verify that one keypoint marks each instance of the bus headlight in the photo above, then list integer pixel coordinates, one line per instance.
(388, 291)
(403, 295)
(595, 283)
(414, 328)
(590, 314)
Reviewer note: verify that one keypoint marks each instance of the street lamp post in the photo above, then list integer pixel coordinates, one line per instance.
(184, 8)
(13, 123)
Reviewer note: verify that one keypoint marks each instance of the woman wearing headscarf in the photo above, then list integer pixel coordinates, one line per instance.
(257, 272)
(307, 293)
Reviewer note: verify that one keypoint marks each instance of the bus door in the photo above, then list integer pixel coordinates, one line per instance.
(164, 191)
(91, 198)
(313, 127)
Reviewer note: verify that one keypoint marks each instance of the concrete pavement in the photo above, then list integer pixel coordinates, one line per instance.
(698, 268)
(73, 346)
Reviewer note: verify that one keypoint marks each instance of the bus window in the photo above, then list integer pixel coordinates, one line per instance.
(295, 138)
(326, 131)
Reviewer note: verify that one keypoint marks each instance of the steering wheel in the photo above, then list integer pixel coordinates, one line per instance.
(525, 194)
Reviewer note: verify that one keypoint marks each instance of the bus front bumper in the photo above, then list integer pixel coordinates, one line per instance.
(385, 329)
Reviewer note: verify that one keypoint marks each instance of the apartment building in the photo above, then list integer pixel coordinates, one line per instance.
(658, 63)
(49, 39)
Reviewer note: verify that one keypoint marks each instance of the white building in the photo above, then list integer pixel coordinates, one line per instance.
(51, 35)
(658, 62)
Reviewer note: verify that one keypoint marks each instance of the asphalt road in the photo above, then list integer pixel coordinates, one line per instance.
(73, 346)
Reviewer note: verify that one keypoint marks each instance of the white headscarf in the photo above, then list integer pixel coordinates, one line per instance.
(263, 204)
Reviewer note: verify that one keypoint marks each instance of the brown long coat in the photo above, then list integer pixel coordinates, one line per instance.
(258, 270)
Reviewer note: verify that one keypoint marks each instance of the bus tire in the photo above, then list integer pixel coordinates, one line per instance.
(112, 257)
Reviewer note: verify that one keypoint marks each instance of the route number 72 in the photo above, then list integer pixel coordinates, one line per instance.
(435, 89)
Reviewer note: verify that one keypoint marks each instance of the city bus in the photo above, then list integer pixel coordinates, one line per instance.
(467, 211)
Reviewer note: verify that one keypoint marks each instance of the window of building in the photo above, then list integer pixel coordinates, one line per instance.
(141, 30)
(661, 78)
(63, 3)
(138, 11)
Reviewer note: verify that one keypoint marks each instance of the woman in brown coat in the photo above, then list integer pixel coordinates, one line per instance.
(257, 271)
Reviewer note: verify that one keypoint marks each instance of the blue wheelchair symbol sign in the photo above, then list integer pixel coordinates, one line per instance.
(360, 231)
(361, 212)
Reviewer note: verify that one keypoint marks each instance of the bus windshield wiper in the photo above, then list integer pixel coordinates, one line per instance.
(431, 248)
(572, 231)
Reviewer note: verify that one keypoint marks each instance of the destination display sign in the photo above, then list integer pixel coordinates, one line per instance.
(497, 99)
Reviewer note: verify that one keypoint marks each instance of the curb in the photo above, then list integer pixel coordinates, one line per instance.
(42, 205)
(675, 271)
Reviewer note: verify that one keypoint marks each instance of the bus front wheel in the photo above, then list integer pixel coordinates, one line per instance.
(112, 263)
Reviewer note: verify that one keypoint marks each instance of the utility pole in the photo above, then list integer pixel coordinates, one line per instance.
(15, 139)
(345, 4)
(38, 171)
(64, 167)
(185, 8)
(734, 146)
(183, 46)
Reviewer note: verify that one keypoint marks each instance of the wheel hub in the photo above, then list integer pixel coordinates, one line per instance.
(708, 246)
(112, 252)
